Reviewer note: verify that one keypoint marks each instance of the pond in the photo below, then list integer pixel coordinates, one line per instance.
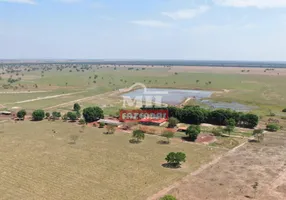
(177, 96)
(169, 96)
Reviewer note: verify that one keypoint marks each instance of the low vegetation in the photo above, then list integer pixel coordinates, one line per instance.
(168, 197)
(272, 127)
(21, 114)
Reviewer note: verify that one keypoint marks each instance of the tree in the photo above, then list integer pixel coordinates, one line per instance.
(168, 135)
(284, 110)
(72, 116)
(110, 129)
(230, 125)
(175, 159)
(21, 114)
(38, 115)
(92, 114)
(76, 107)
(138, 135)
(193, 131)
(249, 120)
(168, 197)
(173, 122)
(56, 115)
(48, 114)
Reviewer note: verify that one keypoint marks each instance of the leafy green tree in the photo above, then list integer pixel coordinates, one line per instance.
(72, 116)
(138, 135)
(193, 131)
(249, 120)
(284, 110)
(48, 114)
(76, 107)
(21, 114)
(92, 114)
(173, 122)
(38, 115)
(56, 115)
(168, 135)
(168, 197)
(175, 159)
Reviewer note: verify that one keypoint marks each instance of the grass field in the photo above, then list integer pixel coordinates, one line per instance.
(264, 91)
(38, 163)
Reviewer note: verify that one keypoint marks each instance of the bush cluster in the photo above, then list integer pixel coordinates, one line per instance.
(198, 115)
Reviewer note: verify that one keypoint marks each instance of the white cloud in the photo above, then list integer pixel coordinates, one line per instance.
(151, 23)
(186, 13)
(252, 3)
(19, 1)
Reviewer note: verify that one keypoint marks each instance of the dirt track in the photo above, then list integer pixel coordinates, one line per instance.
(253, 171)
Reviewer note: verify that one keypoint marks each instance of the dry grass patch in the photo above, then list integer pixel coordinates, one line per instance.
(37, 162)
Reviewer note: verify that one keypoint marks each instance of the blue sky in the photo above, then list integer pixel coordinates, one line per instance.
(149, 29)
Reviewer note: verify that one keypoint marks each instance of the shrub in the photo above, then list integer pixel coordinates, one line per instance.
(21, 114)
(173, 122)
(175, 159)
(138, 135)
(272, 127)
(284, 110)
(168, 135)
(168, 197)
(38, 115)
(92, 114)
(76, 107)
(217, 131)
(65, 117)
(48, 114)
(193, 131)
(81, 121)
(101, 125)
(110, 129)
(78, 115)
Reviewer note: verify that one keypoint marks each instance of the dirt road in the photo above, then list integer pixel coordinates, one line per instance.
(253, 171)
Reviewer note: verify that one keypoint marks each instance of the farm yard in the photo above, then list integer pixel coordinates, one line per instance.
(72, 158)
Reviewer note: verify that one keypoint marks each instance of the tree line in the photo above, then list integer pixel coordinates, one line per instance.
(198, 115)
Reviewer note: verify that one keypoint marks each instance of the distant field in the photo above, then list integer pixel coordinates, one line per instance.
(256, 87)
(37, 163)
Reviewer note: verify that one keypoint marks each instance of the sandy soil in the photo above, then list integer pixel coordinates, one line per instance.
(228, 70)
(253, 171)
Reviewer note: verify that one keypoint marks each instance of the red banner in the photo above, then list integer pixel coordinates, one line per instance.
(137, 115)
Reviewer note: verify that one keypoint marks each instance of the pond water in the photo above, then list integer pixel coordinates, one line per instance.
(169, 96)
(226, 105)
(177, 96)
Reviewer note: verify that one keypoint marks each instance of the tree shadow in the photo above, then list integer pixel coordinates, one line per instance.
(72, 143)
(187, 139)
(134, 141)
(163, 142)
(170, 166)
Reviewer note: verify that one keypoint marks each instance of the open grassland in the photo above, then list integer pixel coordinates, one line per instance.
(265, 90)
(38, 161)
